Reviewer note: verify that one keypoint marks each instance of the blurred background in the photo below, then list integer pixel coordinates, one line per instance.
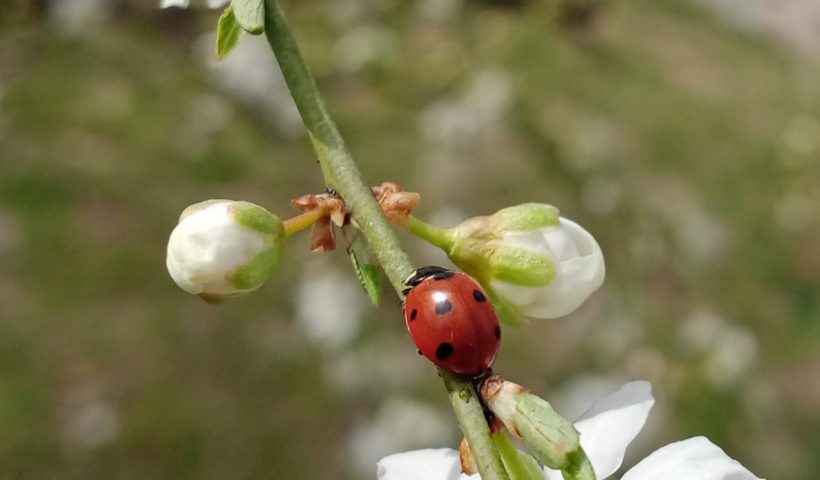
(685, 135)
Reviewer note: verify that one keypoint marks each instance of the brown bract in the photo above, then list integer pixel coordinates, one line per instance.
(468, 464)
(396, 204)
(323, 236)
(330, 203)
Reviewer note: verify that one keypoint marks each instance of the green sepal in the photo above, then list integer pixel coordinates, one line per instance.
(258, 219)
(228, 33)
(519, 465)
(527, 216)
(258, 269)
(250, 14)
(520, 266)
(366, 268)
(578, 466)
(548, 435)
(505, 310)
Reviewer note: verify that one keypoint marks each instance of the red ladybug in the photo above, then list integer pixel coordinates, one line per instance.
(451, 320)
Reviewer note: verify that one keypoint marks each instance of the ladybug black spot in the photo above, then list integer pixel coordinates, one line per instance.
(443, 307)
(444, 351)
(498, 332)
(413, 314)
(479, 296)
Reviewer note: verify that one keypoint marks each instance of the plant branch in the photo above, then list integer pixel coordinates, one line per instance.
(342, 174)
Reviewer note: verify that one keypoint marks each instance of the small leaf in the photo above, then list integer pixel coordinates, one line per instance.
(367, 270)
(228, 32)
(250, 14)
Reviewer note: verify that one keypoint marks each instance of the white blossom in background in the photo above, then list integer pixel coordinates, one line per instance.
(75, 16)
(251, 75)
(606, 429)
(399, 423)
(329, 305)
(727, 351)
(187, 3)
(438, 10)
(361, 46)
(224, 248)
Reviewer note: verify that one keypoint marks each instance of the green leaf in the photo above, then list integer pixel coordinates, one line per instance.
(250, 14)
(367, 270)
(228, 32)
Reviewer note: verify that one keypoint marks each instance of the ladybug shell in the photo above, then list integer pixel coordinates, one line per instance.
(453, 323)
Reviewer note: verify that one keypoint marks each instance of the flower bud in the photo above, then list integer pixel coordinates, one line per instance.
(536, 263)
(552, 439)
(224, 248)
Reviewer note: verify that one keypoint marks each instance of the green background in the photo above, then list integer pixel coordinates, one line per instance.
(687, 147)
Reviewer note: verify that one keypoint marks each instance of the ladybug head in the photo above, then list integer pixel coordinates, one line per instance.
(423, 273)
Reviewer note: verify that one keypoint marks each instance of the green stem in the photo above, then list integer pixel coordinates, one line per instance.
(439, 237)
(341, 174)
(470, 415)
(339, 169)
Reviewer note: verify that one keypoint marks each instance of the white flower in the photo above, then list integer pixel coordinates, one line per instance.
(606, 430)
(533, 262)
(224, 248)
(579, 265)
(187, 3)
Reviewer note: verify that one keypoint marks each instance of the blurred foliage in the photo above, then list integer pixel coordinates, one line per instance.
(689, 149)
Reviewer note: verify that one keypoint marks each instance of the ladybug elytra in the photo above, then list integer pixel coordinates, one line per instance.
(451, 320)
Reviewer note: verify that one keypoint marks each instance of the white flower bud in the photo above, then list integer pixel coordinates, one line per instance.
(579, 270)
(550, 438)
(224, 248)
(535, 263)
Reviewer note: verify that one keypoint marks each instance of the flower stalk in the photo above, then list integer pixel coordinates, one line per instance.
(341, 174)
(439, 237)
(302, 221)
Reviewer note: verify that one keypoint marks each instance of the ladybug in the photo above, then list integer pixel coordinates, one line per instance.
(451, 320)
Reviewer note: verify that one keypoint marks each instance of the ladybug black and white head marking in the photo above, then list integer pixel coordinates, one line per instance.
(422, 273)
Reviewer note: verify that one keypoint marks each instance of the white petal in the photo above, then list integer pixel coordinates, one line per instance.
(610, 425)
(692, 459)
(428, 464)
(532, 240)
(217, 3)
(576, 279)
(560, 240)
(584, 241)
(174, 3)
(518, 295)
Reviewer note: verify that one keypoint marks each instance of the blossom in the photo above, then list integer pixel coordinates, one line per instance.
(579, 265)
(534, 262)
(224, 248)
(606, 430)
